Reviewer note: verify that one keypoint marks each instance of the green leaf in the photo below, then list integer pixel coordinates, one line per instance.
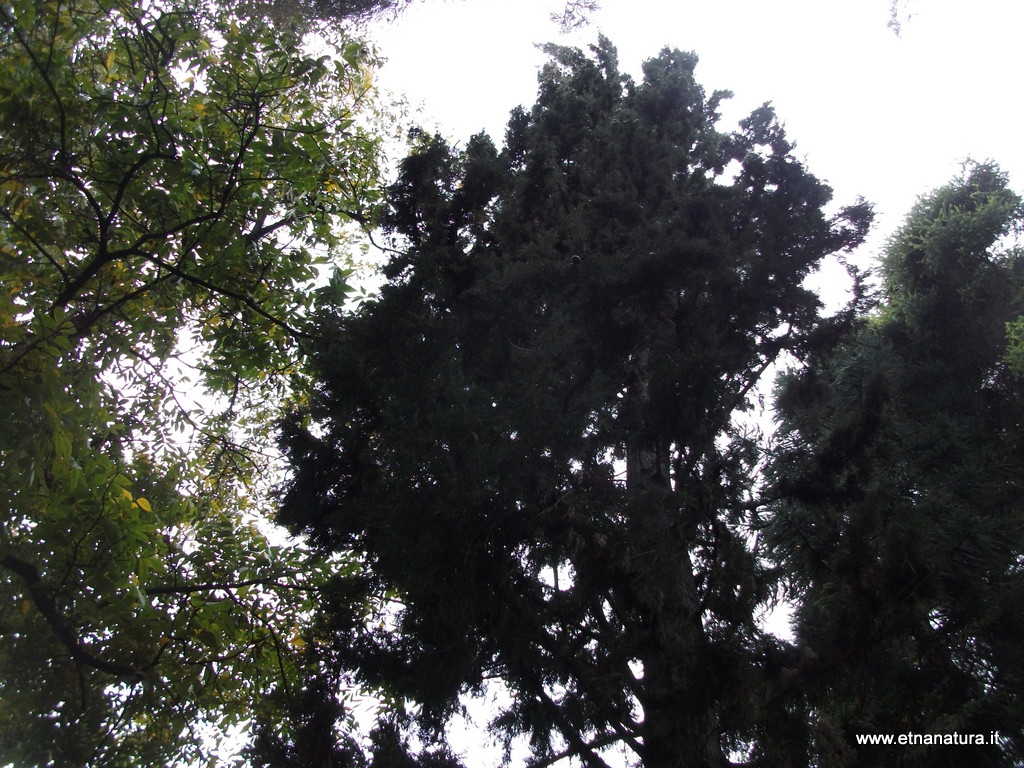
(147, 177)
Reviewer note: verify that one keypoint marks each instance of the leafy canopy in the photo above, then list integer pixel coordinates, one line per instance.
(173, 179)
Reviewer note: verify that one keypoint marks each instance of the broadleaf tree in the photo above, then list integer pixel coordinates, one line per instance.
(529, 440)
(174, 180)
(901, 496)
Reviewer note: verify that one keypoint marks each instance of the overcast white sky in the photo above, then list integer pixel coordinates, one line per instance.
(876, 115)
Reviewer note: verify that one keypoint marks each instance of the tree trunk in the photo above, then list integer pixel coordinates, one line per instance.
(680, 725)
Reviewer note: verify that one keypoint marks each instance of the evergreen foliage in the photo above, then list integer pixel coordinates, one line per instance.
(902, 477)
(529, 438)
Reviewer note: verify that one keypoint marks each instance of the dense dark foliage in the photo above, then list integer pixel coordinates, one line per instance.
(529, 438)
(903, 478)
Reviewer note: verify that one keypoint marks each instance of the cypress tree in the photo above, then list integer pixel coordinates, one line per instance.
(529, 441)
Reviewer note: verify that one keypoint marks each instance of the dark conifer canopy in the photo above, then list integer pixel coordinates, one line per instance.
(903, 487)
(528, 438)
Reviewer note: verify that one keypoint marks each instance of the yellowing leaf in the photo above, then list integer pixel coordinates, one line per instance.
(143, 504)
(109, 64)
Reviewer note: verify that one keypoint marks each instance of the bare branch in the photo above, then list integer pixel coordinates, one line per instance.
(227, 586)
(47, 607)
